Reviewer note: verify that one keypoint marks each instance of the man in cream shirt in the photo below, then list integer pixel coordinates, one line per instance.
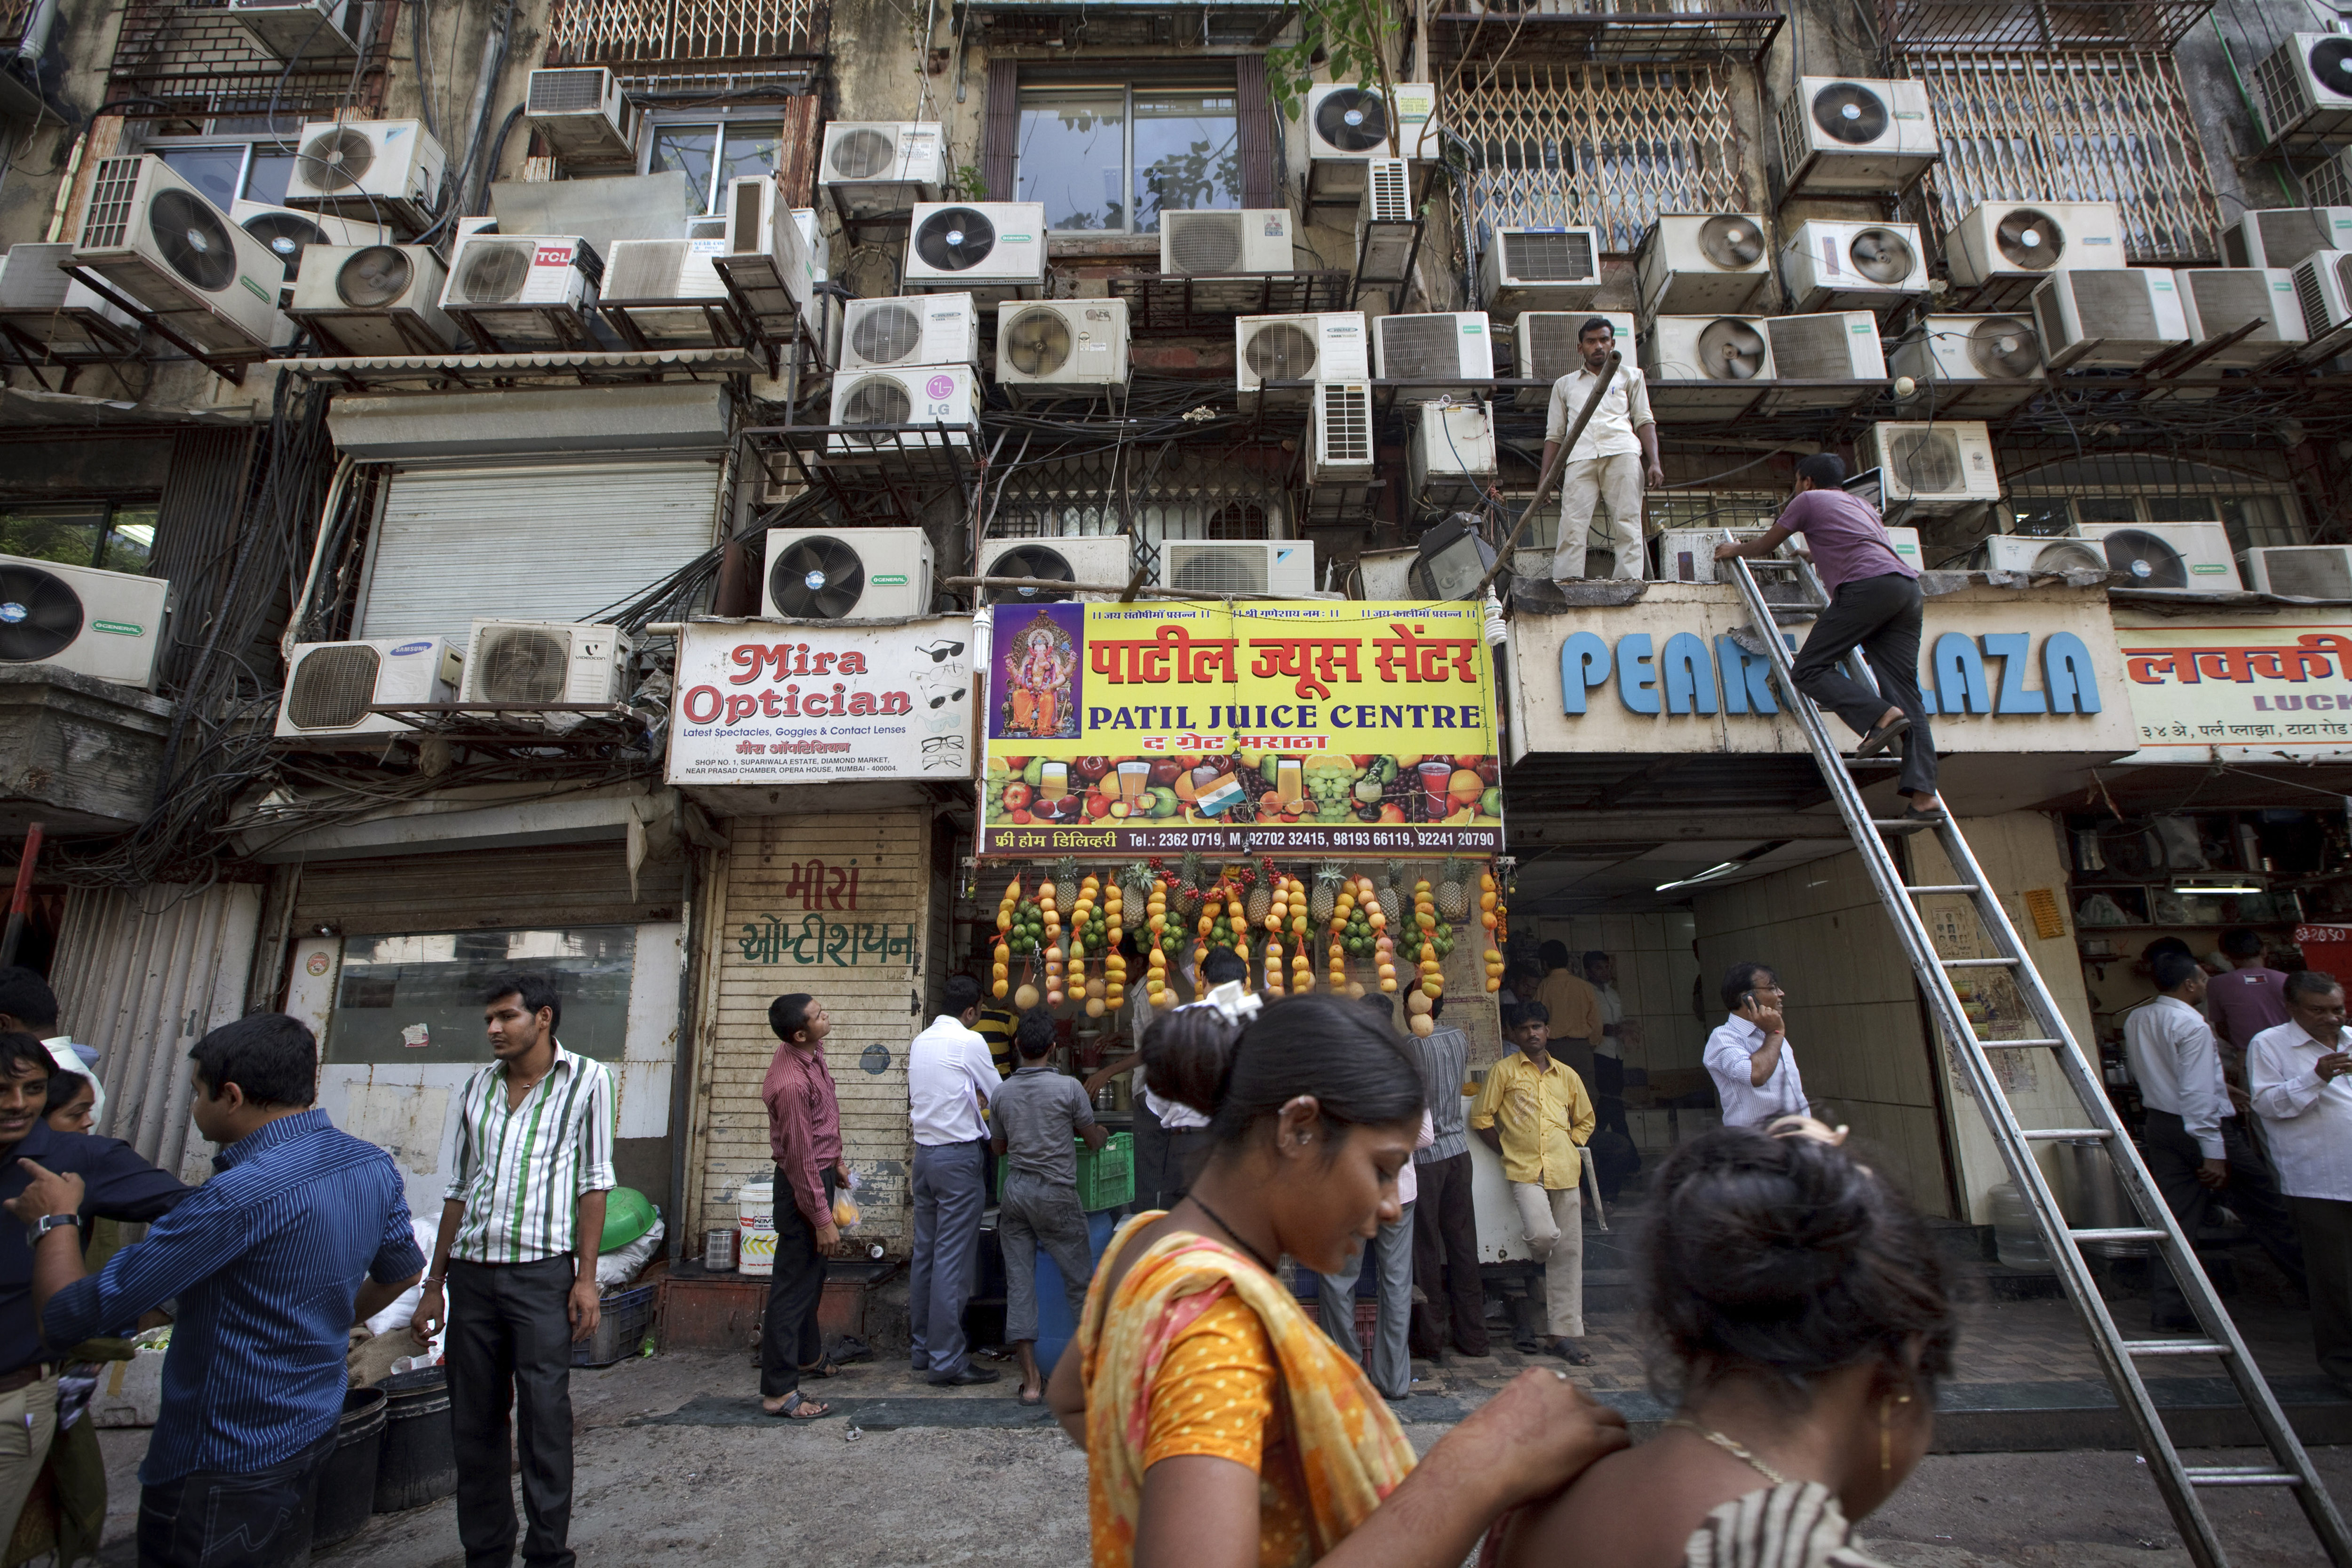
(2296, 1072)
(1616, 452)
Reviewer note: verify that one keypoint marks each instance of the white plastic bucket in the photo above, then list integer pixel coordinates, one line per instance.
(755, 1227)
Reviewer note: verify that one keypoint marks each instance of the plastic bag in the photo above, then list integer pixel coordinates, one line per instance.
(623, 1264)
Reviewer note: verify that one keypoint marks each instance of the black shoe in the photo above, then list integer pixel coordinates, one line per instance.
(1885, 736)
(969, 1376)
(1915, 820)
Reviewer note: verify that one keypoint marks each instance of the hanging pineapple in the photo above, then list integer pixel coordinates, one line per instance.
(1391, 898)
(1453, 898)
(1186, 897)
(1261, 896)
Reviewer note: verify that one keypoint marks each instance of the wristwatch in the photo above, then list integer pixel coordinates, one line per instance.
(49, 1222)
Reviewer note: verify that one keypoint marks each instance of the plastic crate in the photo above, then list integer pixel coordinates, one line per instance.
(621, 1326)
(1106, 1179)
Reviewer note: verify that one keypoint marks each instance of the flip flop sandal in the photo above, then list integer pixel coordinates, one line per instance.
(1033, 1404)
(1573, 1354)
(824, 1368)
(799, 1406)
(1913, 820)
(1528, 1346)
(1883, 736)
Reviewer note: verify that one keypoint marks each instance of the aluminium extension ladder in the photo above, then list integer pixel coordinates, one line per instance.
(2119, 1356)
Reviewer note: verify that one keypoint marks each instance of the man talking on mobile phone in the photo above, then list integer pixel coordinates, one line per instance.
(1749, 1055)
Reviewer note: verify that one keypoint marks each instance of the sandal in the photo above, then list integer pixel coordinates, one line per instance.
(1033, 1401)
(825, 1368)
(1571, 1351)
(799, 1406)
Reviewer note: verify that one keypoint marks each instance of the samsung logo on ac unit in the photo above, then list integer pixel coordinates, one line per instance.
(408, 648)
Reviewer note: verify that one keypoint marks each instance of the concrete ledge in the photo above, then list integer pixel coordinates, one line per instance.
(81, 755)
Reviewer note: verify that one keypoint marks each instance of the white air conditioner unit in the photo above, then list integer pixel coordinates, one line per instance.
(2298, 571)
(522, 292)
(2323, 287)
(105, 625)
(1327, 347)
(1103, 559)
(1547, 345)
(1347, 125)
(1853, 267)
(1540, 269)
(1842, 133)
(1444, 354)
(156, 239)
(1832, 346)
(1386, 221)
(845, 574)
(1344, 448)
(1701, 264)
(318, 31)
(1699, 349)
(993, 249)
(1687, 555)
(329, 687)
(1934, 468)
(1061, 346)
(369, 171)
(1225, 244)
(287, 234)
(2108, 318)
(763, 251)
(1210, 568)
(67, 315)
(2303, 89)
(2194, 557)
(655, 284)
(2218, 301)
(931, 396)
(2001, 241)
(911, 330)
(2281, 236)
(517, 665)
(581, 113)
(2029, 554)
(1450, 461)
(815, 243)
(876, 168)
(2329, 185)
(1967, 349)
(374, 299)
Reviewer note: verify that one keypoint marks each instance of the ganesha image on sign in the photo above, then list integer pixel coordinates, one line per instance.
(1040, 666)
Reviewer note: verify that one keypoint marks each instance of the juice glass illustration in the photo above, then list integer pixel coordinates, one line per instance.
(1054, 780)
(1434, 778)
(1289, 780)
(1134, 780)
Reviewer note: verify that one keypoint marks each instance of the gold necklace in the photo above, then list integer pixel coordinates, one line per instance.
(1731, 1446)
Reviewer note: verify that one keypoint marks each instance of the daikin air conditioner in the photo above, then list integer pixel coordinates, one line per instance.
(39, 300)
(2032, 554)
(845, 574)
(1450, 461)
(318, 31)
(1209, 567)
(370, 171)
(1548, 344)
(1832, 346)
(1349, 125)
(2323, 285)
(2281, 236)
(1104, 560)
(1540, 269)
(875, 168)
(2029, 240)
(1344, 449)
(516, 664)
(2303, 89)
(2194, 557)
(581, 113)
(938, 398)
(1060, 347)
(157, 240)
(660, 285)
(105, 625)
(1331, 346)
(911, 330)
(1853, 267)
(287, 234)
(1386, 222)
(2218, 301)
(374, 299)
(1225, 244)
(997, 248)
(1692, 264)
(2299, 571)
(1966, 348)
(1727, 349)
(1933, 468)
(329, 687)
(2099, 317)
(1840, 133)
(1445, 353)
(521, 292)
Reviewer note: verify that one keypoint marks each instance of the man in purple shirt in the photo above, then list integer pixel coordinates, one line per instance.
(2247, 1000)
(1874, 605)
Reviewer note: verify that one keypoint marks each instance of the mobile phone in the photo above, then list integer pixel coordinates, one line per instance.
(1747, 998)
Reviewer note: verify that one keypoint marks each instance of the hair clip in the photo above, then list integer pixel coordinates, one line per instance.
(1238, 1005)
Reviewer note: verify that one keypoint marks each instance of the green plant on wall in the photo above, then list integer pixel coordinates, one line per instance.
(1354, 35)
(971, 183)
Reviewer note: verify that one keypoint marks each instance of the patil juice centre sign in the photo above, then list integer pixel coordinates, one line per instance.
(1320, 726)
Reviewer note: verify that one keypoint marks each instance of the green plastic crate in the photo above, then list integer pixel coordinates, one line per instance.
(1106, 1179)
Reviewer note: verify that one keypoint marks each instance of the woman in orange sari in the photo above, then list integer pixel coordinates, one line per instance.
(1223, 1428)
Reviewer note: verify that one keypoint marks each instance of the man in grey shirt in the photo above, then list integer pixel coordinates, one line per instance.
(1036, 1119)
(1445, 1226)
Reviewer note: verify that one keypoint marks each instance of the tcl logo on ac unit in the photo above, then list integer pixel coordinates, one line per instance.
(547, 288)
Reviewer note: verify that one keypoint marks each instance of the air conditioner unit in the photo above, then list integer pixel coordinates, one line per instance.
(2329, 185)
(522, 292)
(1833, 345)
(329, 687)
(655, 282)
(318, 31)
(287, 234)
(1967, 349)
(996, 248)
(1450, 461)
(815, 243)
(2195, 557)
(2030, 554)
(1687, 555)
(912, 330)
(1223, 243)
(374, 299)
(1842, 133)
(1445, 353)
(1999, 241)
(846, 574)
(1344, 448)
(105, 625)
(2303, 89)
(1285, 568)
(1540, 269)
(157, 240)
(2299, 571)
(2281, 236)
(763, 251)
(1701, 264)
(1695, 353)
(1853, 267)
(2218, 301)
(581, 113)
(1103, 559)
(1349, 125)
(1327, 347)
(1548, 345)
(514, 665)
(2112, 318)
(1386, 222)
(1061, 346)
(370, 171)
(2323, 287)
(931, 396)
(876, 168)
(1932, 468)
(67, 315)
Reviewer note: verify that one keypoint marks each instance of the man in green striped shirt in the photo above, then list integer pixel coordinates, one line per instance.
(520, 1225)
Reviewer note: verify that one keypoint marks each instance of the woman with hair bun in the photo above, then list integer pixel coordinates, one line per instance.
(1223, 1428)
(1801, 1316)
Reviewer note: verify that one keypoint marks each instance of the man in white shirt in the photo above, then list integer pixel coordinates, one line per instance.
(950, 1079)
(1609, 1045)
(1749, 1055)
(2196, 1149)
(2297, 1074)
(1616, 452)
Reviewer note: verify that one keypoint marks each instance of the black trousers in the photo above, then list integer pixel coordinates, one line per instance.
(257, 1521)
(1882, 616)
(510, 1344)
(1609, 1092)
(2252, 1195)
(2326, 1226)
(789, 1338)
(1446, 1261)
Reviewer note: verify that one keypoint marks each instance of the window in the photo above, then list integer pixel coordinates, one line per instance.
(2056, 498)
(419, 999)
(235, 158)
(117, 535)
(712, 155)
(1110, 159)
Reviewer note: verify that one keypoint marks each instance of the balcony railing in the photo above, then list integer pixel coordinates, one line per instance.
(683, 33)
(188, 59)
(1604, 30)
(2018, 25)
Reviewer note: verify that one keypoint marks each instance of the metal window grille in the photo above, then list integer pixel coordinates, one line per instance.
(608, 31)
(2011, 26)
(1607, 146)
(188, 58)
(1180, 497)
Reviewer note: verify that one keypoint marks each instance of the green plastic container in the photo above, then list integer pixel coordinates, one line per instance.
(628, 1214)
(1106, 1179)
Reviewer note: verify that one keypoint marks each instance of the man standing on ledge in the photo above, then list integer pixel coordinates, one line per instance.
(1617, 450)
(950, 1081)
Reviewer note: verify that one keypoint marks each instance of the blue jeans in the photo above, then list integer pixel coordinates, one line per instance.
(260, 1519)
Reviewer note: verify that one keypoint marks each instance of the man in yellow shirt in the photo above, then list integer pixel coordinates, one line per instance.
(1535, 1113)
(1575, 1008)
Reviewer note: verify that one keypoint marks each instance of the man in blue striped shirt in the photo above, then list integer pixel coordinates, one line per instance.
(302, 1233)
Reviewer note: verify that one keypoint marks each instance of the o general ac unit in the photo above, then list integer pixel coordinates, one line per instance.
(317, 30)
(1061, 346)
(1847, 134)
(287, 232)
(1103, 559)
(1327, 347)
(1222, 243)
(39, 300)
(1385, 221)
(371, 171)
(877, 167)
(1853, 267)
(105, 625)
(2299, 571)
(374, 299)
(998, 246)
(1282, 567)
(929, 396)
(1967, 349)
(657, 280)
(1546, 344)
(2116, 318)
(1999, 240)
(911, 330)
(846, 574)
(1445, 353)
(1934, 468)
(1451, 459)
(1834, 346)
(2032, 553)
(1344, 449)
(1729, 349)
(517, 664)
(517, 292)
(2323, 285)
(1347, 126)
(2192, 556)
(2281, 236)
(329, 687)
(581, 113)
(1540, 269)
(2218, 301)
(1701, 264)
(2303, 88)
(157, 240)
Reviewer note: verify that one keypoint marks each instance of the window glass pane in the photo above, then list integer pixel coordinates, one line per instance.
(2180, 509)
(1072, 156)
(687, 147)
(1187, 154)
(2255, 521)
(67, 536)
(2047, 515)
(419, 999)
(214, 170)
(749, 150)
(130, 540)
(2107, 510)
(273, 169)
(287, 125)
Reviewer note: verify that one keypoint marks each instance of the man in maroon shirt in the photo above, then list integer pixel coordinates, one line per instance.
(804, 1132)
(2247, 1000)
